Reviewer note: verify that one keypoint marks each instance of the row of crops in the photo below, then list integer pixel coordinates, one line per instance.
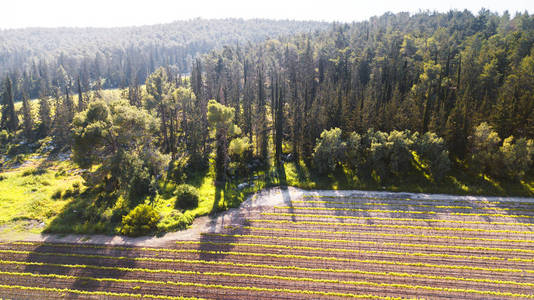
(312, 247)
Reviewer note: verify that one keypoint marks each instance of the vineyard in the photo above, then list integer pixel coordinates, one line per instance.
(314, 247)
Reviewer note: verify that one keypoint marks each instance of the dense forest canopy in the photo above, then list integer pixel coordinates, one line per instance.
(42, 57)
(440, 72)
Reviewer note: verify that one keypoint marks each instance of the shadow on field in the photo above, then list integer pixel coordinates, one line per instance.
(60, 258)
(228, 226)
(480, 209)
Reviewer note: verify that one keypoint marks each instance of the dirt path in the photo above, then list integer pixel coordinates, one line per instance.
(255, 204)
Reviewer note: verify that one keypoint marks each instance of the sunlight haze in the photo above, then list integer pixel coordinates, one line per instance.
(100, 13)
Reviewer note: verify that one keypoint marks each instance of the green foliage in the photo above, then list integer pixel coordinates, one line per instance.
(186, 197)
(221, 118)
(219, 115)
(387, 154)
(517, 156)
(178, 168)
(390, 154)
(27, 118)
(34, 172)
(175, 221)
(44, 117)
(9, 118)
(119, 138)
(512, 159)
(239, 146)
(329, 150)
(434, 151)
(485, 148)
(142, 220)
(57, 194)
(355, 152)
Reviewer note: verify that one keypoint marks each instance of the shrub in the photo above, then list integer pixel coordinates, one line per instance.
(178, 168)
(71, 192)
(433, 150)
(142, 220)
(484, 148)
(399, 145)
(355, 154)
(175, 221)
(186, 196)
(516, 156)
(57, 194)
(329, 150)
(34, 172)
(389, 154)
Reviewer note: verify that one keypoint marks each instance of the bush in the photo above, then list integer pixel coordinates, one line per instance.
(71, 192)
(175, 221)
(142, 220)
(433, 150)
(34, 172)
(178, 168)
(57, 194)
(400, 144)
(484, 149)
(516, 156)
(355, 154)
(186, 197)
(389, 154)
(329, 151)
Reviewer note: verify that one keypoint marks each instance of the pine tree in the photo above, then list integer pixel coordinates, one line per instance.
(44, 116)
(9, 117)
(27, 117)
(262, 119)
(81, 100)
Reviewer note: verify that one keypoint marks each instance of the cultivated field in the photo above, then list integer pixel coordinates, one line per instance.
(311, 247)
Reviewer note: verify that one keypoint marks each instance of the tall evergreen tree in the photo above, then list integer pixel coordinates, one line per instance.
(27, 117)
(81, 100)
(44, 116)
(10, 120)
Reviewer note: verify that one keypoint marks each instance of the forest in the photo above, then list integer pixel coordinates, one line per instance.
(429, 102)
(40, 59)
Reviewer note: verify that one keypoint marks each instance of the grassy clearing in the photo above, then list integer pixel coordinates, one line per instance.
(32, 195)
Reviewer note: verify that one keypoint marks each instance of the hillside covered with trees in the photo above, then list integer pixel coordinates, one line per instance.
(43, 59)
(431, 102)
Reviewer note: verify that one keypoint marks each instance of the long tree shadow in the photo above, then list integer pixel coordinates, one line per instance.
(81, 261)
